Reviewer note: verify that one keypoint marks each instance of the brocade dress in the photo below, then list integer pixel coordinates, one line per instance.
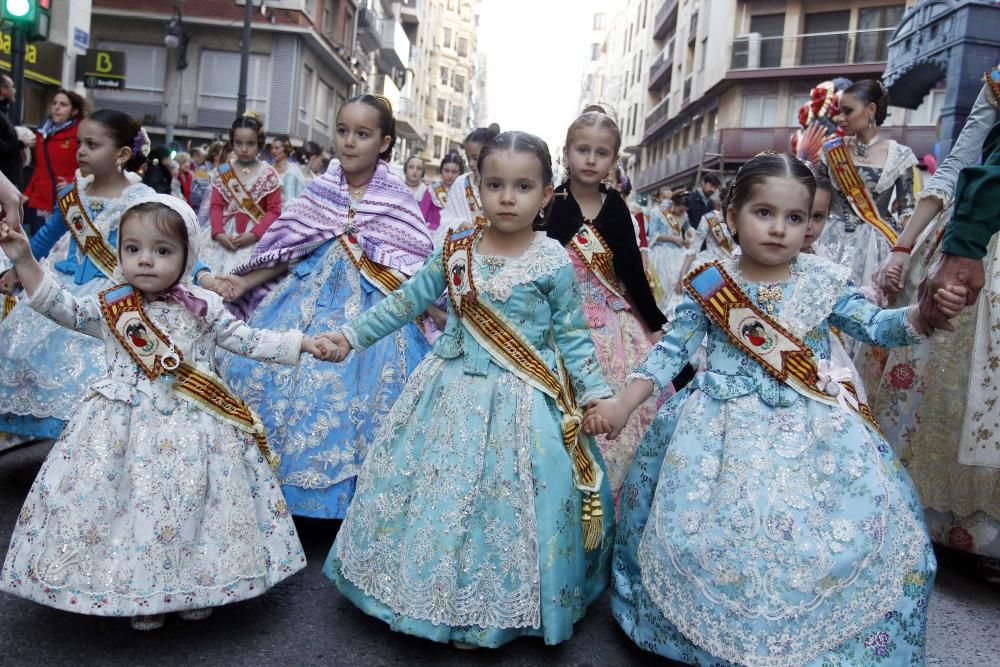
(466, 525)
(762, 528)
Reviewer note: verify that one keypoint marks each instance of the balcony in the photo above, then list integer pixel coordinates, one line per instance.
(858, 47)
(737, 145)
(666, 19)
(409, 13)
(660, 112)
(369, 29)
(408, 120)
(394, 47)
(662, 68)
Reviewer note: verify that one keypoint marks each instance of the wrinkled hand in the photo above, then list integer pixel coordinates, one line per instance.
(607, 416)
(890, 276)
(9, 282)
(225, 241)
(245, 240)
(947, 271)
(338, 346)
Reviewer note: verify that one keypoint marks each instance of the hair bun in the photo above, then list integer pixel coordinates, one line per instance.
(254, 115)
(494, 127)
(594, 108)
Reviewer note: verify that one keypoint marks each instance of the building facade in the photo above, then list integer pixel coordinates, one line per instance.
(723, 79)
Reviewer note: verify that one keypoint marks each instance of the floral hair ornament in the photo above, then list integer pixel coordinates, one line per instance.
(255, 116)
(141, 143)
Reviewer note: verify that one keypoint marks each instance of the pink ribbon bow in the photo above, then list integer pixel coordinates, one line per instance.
(832, 379)
(182, 295)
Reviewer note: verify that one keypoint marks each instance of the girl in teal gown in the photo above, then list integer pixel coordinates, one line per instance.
(469, 523)
(762, 524)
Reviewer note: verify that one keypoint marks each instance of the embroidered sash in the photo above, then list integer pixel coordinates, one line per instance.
(155, 355)
(475, 208)
(593, 250)
(8, 305)
(846, 174)
(992, 81)
(385, 279)
(91, 242)
(440, 193)
(677, 229)
(511, 350)
(717, 228)
(762, 338)
(238, 194)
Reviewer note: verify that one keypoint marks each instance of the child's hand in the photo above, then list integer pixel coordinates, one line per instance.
(596, 425)
(9, 282)
(337, 345)
(951, 300)
(317, 347)
(212, 284)
(229, 287)
(225, 241)
(244, 240)
(13, 240)
(608, 412)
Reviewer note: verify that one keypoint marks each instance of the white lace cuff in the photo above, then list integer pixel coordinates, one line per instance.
(44, 295)
(915, 335)
(603, 391)
(639, 374)
(940, 194)
(352, 337)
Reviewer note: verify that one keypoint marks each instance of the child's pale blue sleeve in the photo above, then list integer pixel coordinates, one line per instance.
(864, 321)
(573, 339)
(81, 314)
(400, 307)
(45, 238)
(672, 352)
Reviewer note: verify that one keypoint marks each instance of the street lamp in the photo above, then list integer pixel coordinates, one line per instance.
(176, 37)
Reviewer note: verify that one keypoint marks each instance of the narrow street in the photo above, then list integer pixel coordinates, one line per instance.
(305, 621)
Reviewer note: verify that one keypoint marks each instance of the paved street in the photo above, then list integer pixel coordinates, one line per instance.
(305, 621)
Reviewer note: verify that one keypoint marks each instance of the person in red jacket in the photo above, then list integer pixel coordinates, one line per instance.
(55, 154)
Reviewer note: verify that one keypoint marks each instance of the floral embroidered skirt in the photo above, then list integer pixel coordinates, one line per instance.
(136, 512)
(466, 523)
(760, 535)
(219, 259)
(45, 368)
(321, 417)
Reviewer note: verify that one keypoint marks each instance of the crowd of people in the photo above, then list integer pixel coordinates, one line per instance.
(507, 394)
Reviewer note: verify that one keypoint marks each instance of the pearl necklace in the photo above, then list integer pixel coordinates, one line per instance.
(861, 149)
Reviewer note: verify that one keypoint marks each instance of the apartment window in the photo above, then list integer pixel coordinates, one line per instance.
(329, 18)
(445, 76)
(438, 147)
(220, 80)
(447, 38)
(347, 30)
(466, 12)
(310, 10)
(463, 46)
(147, 71)
(324, 100)
(875, 26)
(599, 21)
(826, 49)
(639, 69)
(459, 83)
(451, 5)
(795, 102)
(759, 111)
(457, 119)
(306, 95)
(635, 117)
(595, 51)
(693, 28)
(442, 110)
(771, 28)
(704, 54)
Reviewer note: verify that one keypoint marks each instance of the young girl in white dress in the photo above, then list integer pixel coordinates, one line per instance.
(158, 496)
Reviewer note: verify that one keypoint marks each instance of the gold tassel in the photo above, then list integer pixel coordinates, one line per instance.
(593, 521)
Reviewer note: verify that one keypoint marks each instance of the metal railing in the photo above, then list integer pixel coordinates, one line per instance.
(822, 48)
(662, 14)
(661, 67)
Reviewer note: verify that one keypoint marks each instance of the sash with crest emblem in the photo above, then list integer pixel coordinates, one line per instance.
(238, 193)
(475, 208)
(779, 352)
(509, 348)
(8, 305)
(720, 232)
(992, 81)
(594, 252)
(90, 241)
(845, 172)
(440, 193)
(156, 355)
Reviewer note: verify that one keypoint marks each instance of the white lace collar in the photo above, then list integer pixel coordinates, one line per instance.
(543, 257)
(109, 216)
(817, 285)
(899, 159)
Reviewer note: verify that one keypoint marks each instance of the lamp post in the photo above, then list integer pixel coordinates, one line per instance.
(176, 37)
(241, 96)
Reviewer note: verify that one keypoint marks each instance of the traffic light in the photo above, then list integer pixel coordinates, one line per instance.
(21, 13)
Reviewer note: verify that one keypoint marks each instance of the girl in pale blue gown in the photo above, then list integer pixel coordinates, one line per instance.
(45, 369)
(473, 523)
(765, 521)
(304, 274)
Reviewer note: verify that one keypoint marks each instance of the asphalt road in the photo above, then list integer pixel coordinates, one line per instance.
(305, 621)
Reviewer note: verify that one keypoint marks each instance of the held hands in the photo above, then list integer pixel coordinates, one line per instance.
(15, 244)
(949, 271)
(337, 345)
(229, 287)
(316, 346)
(606, 415)
(890, 276)
(948, 302)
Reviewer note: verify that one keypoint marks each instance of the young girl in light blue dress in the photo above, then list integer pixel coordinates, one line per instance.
(764, 519)
(482, 514)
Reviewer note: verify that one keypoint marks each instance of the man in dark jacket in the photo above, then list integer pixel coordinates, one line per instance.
(11, 155)
(699, 201)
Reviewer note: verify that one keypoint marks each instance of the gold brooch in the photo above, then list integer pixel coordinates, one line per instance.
(768, 296)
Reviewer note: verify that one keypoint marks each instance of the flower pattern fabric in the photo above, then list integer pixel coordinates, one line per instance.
(466, 525)
(759, 527)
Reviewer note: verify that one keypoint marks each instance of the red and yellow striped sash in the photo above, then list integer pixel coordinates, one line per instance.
(846, 174)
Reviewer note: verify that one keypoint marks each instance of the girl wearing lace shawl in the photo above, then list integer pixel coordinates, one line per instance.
(474, 521)
(764, 520)
(330, 257)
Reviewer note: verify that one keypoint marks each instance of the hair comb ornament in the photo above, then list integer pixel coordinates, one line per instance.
(385, 100)
(254, 115)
